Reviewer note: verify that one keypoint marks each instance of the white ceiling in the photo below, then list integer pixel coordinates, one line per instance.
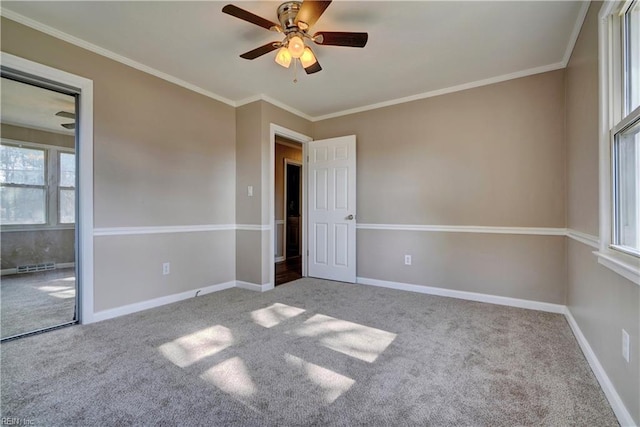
(34, 107)
(414, 47)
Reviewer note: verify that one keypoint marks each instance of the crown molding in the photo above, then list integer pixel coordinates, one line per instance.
(577, 26)
(262, 97)
(438, 92)
(276, 103)
(36, 25)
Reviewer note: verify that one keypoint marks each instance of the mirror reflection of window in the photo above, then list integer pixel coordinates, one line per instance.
(37, 208)
(23, 185)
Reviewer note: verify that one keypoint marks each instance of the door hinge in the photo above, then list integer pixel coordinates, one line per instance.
(307, 252)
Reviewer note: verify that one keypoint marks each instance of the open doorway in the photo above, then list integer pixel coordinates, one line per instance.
(288, 210)
(38, 278)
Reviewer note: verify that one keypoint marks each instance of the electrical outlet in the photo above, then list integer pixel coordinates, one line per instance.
(250, 191)
(407, 260)
(625, 345)
(166, 268)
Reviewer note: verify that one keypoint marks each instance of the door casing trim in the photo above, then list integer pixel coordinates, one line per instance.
(274, 130)
(84, 150)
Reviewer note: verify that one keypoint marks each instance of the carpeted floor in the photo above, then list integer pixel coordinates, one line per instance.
(33, 301)
(310, 352)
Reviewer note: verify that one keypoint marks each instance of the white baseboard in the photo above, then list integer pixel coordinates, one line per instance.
(471, 296)
(157, 302)
(280, 258)
(621, 412)
(253, 286)
(623, 415)
(267, 287)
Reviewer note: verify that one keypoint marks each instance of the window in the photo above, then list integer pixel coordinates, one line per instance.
(632, 55)
(28, 174)
(66, 188)
(626, 190)
(620, 138)
(24, 193)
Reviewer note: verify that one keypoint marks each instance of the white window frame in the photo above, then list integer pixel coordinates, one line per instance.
(612, 111)
(58, 152)
(44, 187)
(51, 186)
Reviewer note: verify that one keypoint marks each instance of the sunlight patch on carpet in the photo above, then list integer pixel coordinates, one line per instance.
(355, 340)
(71, 293)
(332, 384)
(62, 292)
(273, 315)
(187, 350)
(54, 288)
(231, 376)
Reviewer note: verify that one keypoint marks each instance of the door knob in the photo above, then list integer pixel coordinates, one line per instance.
(350, 217)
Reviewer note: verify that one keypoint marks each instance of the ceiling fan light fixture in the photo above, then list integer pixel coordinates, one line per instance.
(308, 58)
(283, 57)
(296, 47)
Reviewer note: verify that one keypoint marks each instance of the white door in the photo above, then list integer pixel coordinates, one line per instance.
(332, 209)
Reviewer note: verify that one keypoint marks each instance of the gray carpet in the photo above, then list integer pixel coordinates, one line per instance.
(33, 301)
(310, 352)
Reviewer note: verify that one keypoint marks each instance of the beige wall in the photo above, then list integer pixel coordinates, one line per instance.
(197, 259)
(490, 156)
(35, 247)
(602, 302)
(19, 133)
(582, 129)
(486, 156)
(516, 266)
(163, 156)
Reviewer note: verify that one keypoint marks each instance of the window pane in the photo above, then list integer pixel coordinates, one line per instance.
(67, 212)
(22, 165)
(633, 51)
(67, 170)
(627, 155)
(22, 205)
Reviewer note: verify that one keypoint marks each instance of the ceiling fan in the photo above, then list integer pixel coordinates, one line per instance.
(296, 18)
(67, 115)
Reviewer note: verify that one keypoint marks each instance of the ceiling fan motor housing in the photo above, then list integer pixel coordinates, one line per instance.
(287, 13)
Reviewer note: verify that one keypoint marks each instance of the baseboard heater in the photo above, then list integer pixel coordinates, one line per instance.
(32, 268)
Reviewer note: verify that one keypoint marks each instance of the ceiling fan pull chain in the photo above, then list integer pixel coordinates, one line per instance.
(295, 71)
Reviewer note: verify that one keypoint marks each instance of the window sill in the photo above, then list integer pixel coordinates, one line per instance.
(42, 227)
(621, 264)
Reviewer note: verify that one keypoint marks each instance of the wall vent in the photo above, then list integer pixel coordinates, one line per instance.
(32, 268)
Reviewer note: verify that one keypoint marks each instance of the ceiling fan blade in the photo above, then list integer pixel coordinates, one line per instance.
(313, 68)
(68, 125)
(338, 38)
(259, 51)
(250, 17)
(310, 11)
(66, 114)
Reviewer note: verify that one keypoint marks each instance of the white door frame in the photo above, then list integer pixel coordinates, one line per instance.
(304, 140)
(288, 162)
(84, 151)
